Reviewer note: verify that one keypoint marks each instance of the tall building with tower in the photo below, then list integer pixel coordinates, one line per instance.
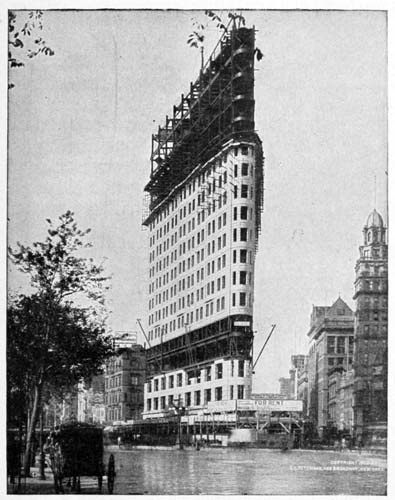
(371, 324)
(205, 202)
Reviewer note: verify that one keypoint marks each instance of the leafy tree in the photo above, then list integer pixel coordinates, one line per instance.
(23, 40)
(52, 343)
(197, 37)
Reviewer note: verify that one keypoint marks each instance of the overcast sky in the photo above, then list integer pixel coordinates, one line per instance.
(80, 126)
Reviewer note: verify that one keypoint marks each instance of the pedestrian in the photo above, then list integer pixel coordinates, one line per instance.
(343, 444)
(359, 444)
(119, 441)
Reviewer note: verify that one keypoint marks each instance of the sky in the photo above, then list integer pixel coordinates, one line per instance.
(79, 139)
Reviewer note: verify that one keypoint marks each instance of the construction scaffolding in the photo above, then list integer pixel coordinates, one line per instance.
(196, 349)
(219, 107)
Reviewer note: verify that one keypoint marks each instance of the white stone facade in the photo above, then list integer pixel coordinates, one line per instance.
(203, 240)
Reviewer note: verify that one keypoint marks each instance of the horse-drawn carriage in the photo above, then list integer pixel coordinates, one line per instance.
(76, 450)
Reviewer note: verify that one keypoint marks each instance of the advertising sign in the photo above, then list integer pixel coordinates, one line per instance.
(270, 405)
(219, 406)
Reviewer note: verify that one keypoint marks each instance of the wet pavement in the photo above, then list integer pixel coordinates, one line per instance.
(227, 471)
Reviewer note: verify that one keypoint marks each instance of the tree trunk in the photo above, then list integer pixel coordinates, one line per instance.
(31, 426)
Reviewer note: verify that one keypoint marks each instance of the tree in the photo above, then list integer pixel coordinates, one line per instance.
(197, 37)
(52, 342)
(20, 37)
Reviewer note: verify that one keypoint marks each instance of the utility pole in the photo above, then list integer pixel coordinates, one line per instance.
(179, 412)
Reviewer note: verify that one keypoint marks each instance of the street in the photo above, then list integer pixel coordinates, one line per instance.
(248, 471)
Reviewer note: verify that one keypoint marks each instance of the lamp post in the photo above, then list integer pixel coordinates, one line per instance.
(180, 411)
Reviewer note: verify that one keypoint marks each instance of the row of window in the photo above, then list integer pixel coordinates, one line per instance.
(241, 256)
(171, 381)
(372, 315)
(187, 318)
(205, 176)
(183, 246)
(189, 245)
(187, 228)
(339, 344)
(241, 299)
(193, 399)
(372, 329)
(188, 299)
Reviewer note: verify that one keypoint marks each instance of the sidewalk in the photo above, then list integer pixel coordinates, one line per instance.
(35, 486)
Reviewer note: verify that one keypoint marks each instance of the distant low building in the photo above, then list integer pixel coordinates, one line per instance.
(340, 400)
(91, 407)
(302, 385)
(124, 384)
(286, 387)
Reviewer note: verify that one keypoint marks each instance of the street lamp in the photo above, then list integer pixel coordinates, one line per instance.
(180, 411)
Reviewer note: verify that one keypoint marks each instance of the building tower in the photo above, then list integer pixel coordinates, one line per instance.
(206, 197)
(371, 323)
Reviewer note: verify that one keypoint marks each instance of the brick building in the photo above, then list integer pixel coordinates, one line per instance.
(124, 384)
(331, 337)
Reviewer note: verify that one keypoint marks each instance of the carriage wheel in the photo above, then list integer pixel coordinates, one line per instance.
(100, 476)
(100, 482)
(111, 474)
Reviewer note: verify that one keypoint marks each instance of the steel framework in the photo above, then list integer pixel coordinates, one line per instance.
(219, 106)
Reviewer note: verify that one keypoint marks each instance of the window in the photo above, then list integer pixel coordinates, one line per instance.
(243, 278)
(218, 394)
(244, 169)
(163, 402)
(233, 299)
(341, 345)
(156, 384)
(187, 399)
(243, 234)
(244, 150)
(240, 392)
(208, 374)
(244, 191)
(241, 368)
(171, 381)
(207, 395)
(243, 256)
(331, 345)
(179, 379)
(218, 371)
(231, 392)
(242, 298)
(235, 234)
(235, 213)
(243, 213)
(197, 398)
(235, 170)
